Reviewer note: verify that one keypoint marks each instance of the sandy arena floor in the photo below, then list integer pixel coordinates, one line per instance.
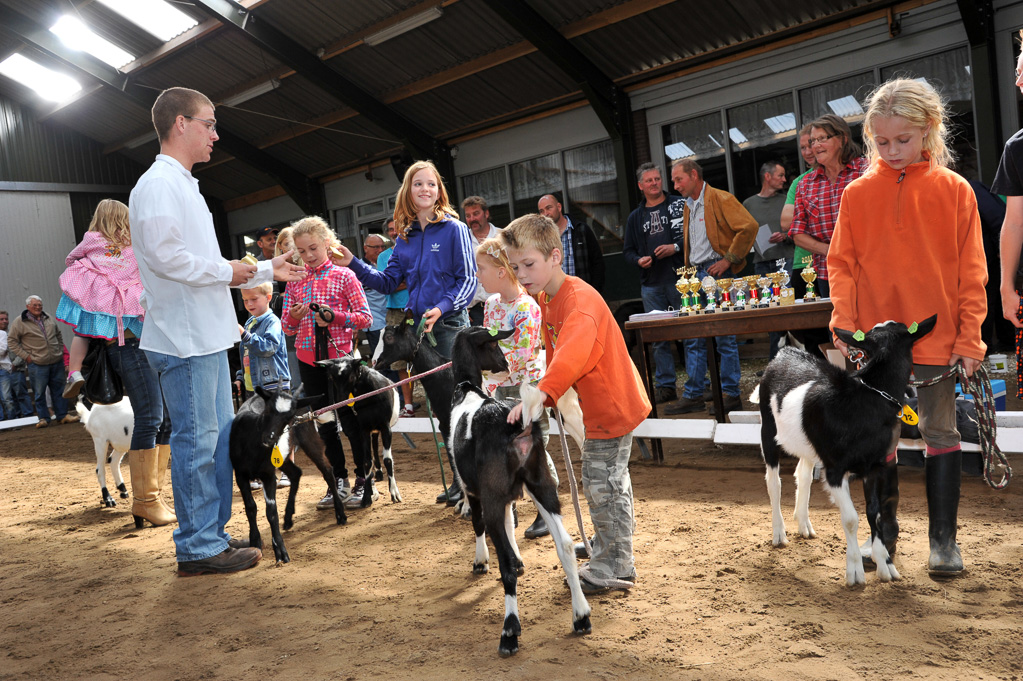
(392, 595)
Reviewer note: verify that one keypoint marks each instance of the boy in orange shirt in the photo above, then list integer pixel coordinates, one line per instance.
(585, 350)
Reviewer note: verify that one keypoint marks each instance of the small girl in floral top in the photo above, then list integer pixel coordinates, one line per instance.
(336, 289)
(509, 306)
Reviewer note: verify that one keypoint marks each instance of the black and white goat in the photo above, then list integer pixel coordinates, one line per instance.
(110, 426)
(849, 423)
(493, 461)
(376, 414)
(401, 344)
(258, 427)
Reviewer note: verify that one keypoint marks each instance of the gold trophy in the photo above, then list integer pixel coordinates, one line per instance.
(694, 287)
(809, 274)
(726, 294)
(682, 286)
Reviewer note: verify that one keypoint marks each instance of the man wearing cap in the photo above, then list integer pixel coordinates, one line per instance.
(266, 239)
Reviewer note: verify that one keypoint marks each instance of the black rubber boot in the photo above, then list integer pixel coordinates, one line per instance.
(449, 493)
(944, 474)
(537, 529)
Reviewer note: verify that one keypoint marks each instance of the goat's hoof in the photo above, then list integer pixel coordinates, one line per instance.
(123, 490)
(582, 625)
(282, 559)
(109, 502)
(480, 568)
(379, 476)
(520, 568)
(342, 519)
(509, 646)
(288, 524)
(123, 495)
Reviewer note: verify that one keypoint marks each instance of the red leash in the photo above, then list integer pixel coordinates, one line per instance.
(352, 400)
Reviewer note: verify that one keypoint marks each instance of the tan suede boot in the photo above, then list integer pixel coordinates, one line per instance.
(163, 456)
(143, 464)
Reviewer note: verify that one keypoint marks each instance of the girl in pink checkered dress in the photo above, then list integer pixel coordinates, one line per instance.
(101, 288)
(343, 310)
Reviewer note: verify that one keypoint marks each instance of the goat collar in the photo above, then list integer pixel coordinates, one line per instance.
(470, 387)
(882, 393)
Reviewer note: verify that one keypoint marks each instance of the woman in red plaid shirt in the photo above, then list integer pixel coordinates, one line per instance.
(839, 162)
(338, 292)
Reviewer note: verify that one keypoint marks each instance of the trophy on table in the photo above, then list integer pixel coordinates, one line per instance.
(682, 286)
(710, 287)
(740, 285)
(753, 298)
(809, 274)
(726, 294)
(765, 291)
(694, 287)
(785, 294)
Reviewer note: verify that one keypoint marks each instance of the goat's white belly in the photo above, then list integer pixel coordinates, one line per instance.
(468, 407)
(789, 418)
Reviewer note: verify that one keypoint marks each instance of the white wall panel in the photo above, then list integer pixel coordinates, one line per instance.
(37, 236)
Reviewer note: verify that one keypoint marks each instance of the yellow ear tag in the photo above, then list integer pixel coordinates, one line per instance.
(909, 416)
(351, 397)
(276, 458)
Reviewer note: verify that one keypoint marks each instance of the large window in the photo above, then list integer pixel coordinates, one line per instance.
(702, 140)
(583, 178)
(767, 129)
(493, 186)
(760, 132)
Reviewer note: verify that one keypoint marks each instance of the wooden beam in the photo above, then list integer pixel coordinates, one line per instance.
(252, 199)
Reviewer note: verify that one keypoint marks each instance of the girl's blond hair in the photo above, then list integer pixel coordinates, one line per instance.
(493, 251)
(285, 243)
(405, 212)
(918, 103)
(111, 220)
(316, 226)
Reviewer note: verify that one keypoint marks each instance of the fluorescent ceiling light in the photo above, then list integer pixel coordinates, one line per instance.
(782, 123)
(677, 151)
(737, 136)
(140, 140)
(77, 36)
(403, 26)
(252, 92)
(154, 16)
(716, 143)
(48, 84)
(845, 107)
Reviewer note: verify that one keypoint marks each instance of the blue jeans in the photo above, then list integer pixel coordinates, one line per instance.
(50, 376)
(446, 329)
(696, 359)
(6, 396)
(768, 267)
(142, 387)
(660, 298)
(19, 388)
(198, 397)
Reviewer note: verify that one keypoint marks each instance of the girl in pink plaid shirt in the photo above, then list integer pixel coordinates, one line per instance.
(337, 291)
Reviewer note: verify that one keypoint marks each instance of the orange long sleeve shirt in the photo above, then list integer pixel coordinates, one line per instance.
(907, 248)
(585, 349)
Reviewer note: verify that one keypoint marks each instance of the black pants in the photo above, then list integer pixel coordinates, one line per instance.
(314, 382)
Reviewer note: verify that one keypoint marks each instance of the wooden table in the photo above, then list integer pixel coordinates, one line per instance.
(791, 317)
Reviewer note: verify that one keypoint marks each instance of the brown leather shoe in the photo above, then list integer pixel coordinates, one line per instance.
(238, 543)
(228, 560)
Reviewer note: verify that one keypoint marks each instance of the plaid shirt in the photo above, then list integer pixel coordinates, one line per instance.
(568, 256)
(337, 288)
(817, 204)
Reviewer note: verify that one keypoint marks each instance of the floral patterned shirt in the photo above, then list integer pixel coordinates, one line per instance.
(522, 349)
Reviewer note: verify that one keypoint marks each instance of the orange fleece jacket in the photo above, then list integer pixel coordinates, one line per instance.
(585, 349)
(905, 250)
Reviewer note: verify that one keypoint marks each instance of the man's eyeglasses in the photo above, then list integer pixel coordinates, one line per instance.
(210, 125)
(820, 140)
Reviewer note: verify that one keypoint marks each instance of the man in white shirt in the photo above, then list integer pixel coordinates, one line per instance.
(6, 396)
(190, 323)
(477, 217)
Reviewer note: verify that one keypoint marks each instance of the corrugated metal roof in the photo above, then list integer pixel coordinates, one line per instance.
(467, 35)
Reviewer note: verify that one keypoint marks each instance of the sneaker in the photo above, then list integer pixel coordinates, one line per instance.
(228, 560)
(589, 587)
(408, 410)
(70, 418)
(284, 481)
(74, 385)
(43, 423)
(685, 406)
(665, 394)
(731, 403)
(343, 488)
(255, 484)
(355, 500)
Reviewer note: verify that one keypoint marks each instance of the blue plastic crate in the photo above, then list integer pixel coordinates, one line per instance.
(997, 387)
